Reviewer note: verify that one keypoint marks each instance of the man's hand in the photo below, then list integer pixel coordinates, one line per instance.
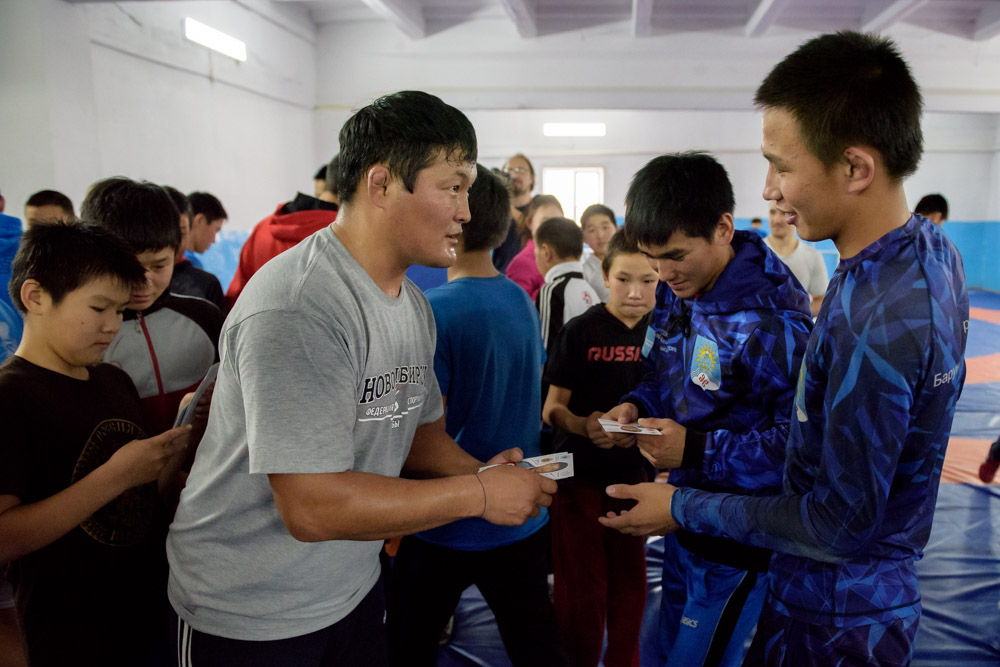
(512, 455)
(141, 461)
(513, 495)
(650, 516)
(596, 432)
(626, 413)
(665, 451)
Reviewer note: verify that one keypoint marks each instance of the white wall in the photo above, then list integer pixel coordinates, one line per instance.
(118, 90)
(656, 95)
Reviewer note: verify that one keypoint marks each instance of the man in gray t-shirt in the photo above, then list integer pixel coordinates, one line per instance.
(326, 393)
(804, 261)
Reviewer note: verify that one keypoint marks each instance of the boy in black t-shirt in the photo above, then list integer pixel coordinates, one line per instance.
(77, 502)
(595, 360)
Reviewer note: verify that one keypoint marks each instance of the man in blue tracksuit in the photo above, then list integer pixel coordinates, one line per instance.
(728, 333)
(879, 380)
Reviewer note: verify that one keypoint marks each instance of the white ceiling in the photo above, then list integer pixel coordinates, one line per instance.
(975, 20)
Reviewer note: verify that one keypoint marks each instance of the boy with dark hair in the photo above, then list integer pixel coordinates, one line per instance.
(565, 294)
(934, 207)
(324, 397)
(319, 180)
(169, 341)
(488, 364)
(290, 223)
(77, 499)
(48, 206)
(207, 219)
(599, 574)
(879, 380)
(728, 333)
(188, 279)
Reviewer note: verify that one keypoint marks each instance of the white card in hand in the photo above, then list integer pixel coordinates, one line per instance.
(612, 426)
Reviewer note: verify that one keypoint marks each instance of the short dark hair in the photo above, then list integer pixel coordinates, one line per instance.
(597, 209)
(756, 221)
(850, 88)
(63, 256)
(489, 209)
(180, 200)
(330, 177)
(536, 203)
(321, 173)
(562, 235)
(140, 213)
(620, 244)
(685, 192)
(51, 198)
(934, 203)
(406, 131)
(208, 205)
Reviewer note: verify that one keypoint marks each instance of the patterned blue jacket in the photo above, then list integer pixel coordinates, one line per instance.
(873, 411)
(723, 364)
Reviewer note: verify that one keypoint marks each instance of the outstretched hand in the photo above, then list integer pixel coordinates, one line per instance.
(651, 514)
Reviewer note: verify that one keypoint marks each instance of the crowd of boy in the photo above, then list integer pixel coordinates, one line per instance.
(349, 408)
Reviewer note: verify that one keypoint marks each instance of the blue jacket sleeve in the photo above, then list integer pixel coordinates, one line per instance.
(755, 458)
(857, 417)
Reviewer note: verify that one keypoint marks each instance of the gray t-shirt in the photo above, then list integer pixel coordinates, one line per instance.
(320, 372)
(807, 265)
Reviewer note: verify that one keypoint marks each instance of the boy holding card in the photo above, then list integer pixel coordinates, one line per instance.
(725, 345)
(599, 573)
(77, 502)
(488, 364)
(879, 380)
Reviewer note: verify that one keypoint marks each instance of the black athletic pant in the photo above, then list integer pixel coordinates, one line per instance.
(428, 580)
(357, 639)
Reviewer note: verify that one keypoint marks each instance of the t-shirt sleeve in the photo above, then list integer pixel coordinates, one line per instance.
(563, 366)
(298, 382)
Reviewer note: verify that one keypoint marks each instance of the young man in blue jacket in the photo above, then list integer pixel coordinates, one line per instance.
(879, 381)
(728, 333)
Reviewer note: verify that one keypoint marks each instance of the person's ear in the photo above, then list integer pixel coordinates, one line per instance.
(724, 229)
(199, 219)
(34, 297)
(377, 182)
(859, 168)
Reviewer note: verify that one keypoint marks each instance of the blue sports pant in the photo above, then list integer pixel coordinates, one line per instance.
(707, 610)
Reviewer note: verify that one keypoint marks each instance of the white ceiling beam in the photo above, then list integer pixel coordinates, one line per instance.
(642, 18)
(406, 15)
(883, 15)
(988, 24)
(763, 17)
(522, 14)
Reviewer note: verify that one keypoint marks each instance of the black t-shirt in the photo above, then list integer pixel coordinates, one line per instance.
(598, 358)
(97, 595)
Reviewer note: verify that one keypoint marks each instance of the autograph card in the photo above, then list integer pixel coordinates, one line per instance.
(612, 426)
(187, 414)
(562, 460)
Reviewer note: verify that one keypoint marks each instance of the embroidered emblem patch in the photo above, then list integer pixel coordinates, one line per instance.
(705, 370)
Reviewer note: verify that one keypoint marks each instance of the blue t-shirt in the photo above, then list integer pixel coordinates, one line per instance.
(488, 363)
(11, 328)
(873, 410)
(10, 236)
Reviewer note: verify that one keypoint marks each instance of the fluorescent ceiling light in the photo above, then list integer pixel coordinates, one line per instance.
(574, 129)
(199, 33)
